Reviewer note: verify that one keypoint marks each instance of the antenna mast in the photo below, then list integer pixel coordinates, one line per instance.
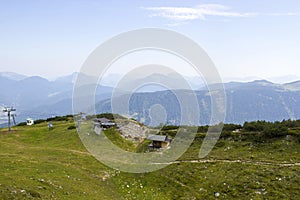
(78, 118)
(9, 115)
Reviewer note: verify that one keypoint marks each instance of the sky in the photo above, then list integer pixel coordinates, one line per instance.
(258, 38)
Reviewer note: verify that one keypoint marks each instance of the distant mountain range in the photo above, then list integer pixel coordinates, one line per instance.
(257, 100)
(37, 97)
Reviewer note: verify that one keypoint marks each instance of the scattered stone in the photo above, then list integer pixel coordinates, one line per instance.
(133, 131)
(217, 194)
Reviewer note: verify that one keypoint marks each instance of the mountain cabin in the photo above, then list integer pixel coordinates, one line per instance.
(103, 123)
(159, 141)
(29, 122)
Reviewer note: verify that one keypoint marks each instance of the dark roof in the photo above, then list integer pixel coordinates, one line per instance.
(103, 120)
(161, 138)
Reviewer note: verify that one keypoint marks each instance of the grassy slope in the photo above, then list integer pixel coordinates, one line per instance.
(36, 162)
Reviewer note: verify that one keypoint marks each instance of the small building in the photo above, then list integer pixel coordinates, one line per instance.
(159, 141)
(103, 123)
(236, 131)
(29, 122)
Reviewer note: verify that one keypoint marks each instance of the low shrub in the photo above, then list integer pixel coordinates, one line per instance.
(38, 121)
(58, 118)
(169, 127)
(22, 124)
(71, 127)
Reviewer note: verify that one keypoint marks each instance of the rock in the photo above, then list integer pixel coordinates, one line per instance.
(217, 194)
(133, 131)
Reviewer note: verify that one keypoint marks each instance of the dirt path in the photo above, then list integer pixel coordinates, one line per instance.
(232, 161)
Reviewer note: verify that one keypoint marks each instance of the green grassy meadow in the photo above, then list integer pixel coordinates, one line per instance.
(37, 163)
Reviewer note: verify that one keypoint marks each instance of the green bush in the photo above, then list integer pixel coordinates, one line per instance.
(202, 129)
(276, 129)
(109, 116)
(225, 134)
(220, 144)
(58, 118)
(294, 131)
(169, 127)
(231, 127)
(254, 126)
(38, 121)
(199, 137)
(22, 124)
(291, 123)
(71, 127)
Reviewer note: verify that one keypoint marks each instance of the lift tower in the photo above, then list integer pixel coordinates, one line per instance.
(10, 115)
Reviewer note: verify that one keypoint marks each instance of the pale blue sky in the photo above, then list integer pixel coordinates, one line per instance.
(244, 38)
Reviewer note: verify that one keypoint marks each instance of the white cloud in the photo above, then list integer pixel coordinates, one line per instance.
(282, 14)
(198, 12)
(203, 11)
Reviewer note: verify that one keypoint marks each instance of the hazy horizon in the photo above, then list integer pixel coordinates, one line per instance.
(276, 79)
(244, 39)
